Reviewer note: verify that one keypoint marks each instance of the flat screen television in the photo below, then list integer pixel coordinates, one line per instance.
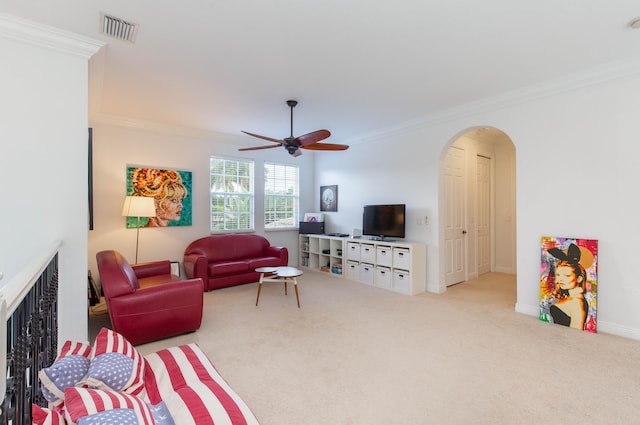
(384, 221)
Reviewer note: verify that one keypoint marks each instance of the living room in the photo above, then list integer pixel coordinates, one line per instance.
(575, 175)
(360, 182)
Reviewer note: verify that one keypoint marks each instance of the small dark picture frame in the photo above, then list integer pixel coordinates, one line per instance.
(329, 198)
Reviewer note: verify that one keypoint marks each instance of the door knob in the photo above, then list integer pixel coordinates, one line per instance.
(464, 232)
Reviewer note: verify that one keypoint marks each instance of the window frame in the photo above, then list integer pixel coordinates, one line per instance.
(268, 197)
(233, 197)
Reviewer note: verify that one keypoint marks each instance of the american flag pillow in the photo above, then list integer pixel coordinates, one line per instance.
(74, 348)
(111, 417)
(88, 406)
(116, 365)
(42, 416)
(70, 367)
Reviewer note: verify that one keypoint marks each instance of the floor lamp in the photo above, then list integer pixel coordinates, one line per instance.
(138, 206)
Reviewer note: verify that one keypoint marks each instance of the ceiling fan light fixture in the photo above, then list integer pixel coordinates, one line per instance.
(293, 145)
(119, 28)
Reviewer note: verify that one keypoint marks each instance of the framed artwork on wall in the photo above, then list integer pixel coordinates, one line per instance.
(329, 198)
(170, 190)
(569, 282)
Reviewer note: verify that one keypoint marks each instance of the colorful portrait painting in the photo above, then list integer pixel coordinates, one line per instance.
(171, 193)
(569, 282)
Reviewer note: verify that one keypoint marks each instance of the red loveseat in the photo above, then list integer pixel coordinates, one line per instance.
(231, 259)
(145, 301)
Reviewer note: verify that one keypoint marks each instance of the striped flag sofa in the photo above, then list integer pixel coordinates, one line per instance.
(112, 383)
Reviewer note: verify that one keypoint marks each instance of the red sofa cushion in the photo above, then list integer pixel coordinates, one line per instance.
(148, 282)
(254, 263)
(228, 267)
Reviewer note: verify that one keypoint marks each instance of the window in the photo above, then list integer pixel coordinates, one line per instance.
(231, 195)
(281, 196)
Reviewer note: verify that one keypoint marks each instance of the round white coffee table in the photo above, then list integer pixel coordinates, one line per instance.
(279, 274)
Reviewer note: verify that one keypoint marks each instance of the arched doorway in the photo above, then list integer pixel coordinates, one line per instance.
(478, 206)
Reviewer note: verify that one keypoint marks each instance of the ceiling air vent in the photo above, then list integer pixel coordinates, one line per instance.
(119, 28)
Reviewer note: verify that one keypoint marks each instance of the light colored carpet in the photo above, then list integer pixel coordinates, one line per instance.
(359, 355)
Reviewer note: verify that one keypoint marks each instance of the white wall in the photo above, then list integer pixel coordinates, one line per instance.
(115, 147)
(505, 209)
(43, 157)
(577, 176)
(576, 173)
(399, 168)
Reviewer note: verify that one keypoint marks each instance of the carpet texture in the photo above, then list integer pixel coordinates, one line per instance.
(359, 355)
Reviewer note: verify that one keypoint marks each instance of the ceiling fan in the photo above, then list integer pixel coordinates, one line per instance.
(306, 141)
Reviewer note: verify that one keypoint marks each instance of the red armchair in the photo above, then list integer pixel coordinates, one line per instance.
(145, 301)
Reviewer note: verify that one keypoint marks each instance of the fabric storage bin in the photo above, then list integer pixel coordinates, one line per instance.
(366, 273)
(401, 280)
(368, 253)
(383, 277)
(353, 251)
(384, 256)
(401, 258)
(353, 270)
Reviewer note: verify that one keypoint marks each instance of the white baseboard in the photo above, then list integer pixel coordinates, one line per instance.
(619, 330)
(527, 309)
(602, 326)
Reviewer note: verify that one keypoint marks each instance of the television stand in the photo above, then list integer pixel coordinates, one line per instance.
(397, 266)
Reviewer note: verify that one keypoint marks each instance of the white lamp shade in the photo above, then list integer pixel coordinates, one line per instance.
(138, 206)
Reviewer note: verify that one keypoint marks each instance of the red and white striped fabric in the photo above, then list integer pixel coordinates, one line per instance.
(83, 402)
(70, 348)
(43, 416)
(192, 389)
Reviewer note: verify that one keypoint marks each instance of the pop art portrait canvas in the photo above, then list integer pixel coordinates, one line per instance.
(170, 190)
(569, 282)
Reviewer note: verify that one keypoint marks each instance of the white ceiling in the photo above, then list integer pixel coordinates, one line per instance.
(357, 67)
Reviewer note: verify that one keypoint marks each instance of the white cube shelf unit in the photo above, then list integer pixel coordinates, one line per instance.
(319, 252)
(397, 266)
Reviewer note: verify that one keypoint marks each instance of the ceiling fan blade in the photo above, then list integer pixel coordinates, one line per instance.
(293, 144)
(264, 137)
(259, 147)
(313, 137)
(326, 147)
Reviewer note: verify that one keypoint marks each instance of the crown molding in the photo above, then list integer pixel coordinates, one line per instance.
(591, 77)
(40, 35)
(155, 127)
(594, 76)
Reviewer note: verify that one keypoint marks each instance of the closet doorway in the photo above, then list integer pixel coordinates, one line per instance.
(478, 231)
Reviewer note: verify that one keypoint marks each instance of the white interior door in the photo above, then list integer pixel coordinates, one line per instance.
(483, 202)
(454, 231)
